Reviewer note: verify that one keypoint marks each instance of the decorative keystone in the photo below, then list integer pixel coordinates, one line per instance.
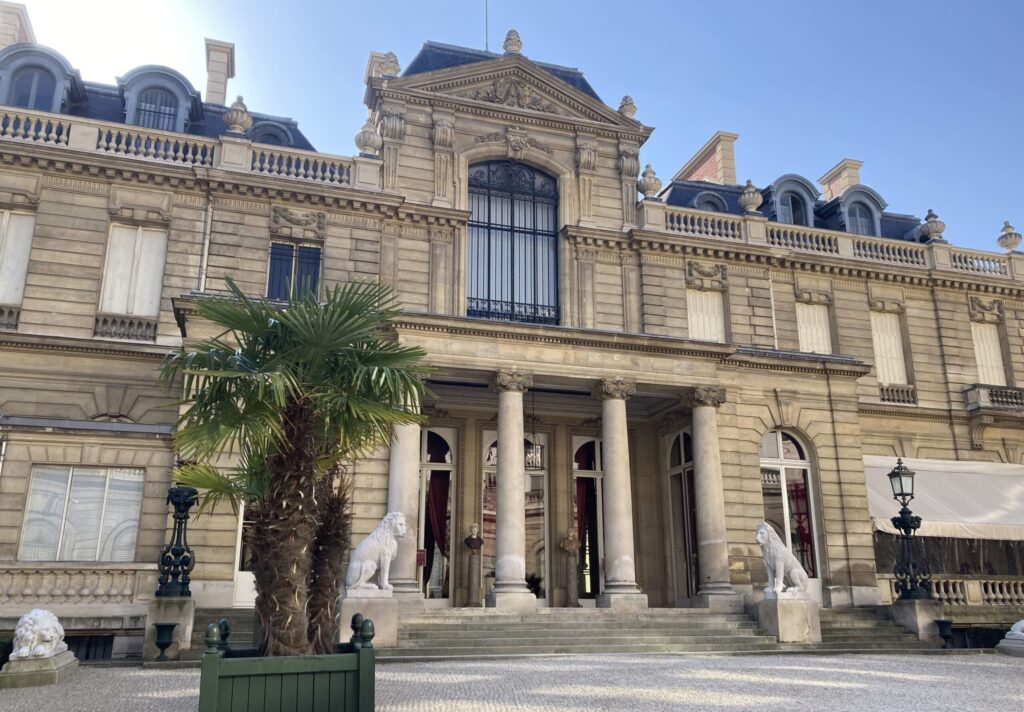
(626, 107)
(933, 228)
(751, 198)
(649, 184)
(368, 141)
(237, 118)
(1008, 238)
(513, 44)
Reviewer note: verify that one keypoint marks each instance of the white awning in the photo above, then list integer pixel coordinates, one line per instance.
(966, 500)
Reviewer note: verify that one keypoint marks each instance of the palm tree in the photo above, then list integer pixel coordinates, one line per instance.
(289, 392)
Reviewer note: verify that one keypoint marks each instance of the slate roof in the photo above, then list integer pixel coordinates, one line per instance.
(436, 55)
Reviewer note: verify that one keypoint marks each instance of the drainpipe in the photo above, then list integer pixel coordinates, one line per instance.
(207, 228)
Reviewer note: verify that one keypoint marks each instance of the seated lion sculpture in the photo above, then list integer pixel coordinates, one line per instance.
(38, 635)
(374, 554)
(780, 562)
(1016, 631)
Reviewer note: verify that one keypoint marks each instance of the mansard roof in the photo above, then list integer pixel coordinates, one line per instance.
(436, 55)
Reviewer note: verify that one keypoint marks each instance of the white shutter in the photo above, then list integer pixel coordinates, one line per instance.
(15, 246)
(989, 353)
(813, 328)
(149, 276)
(118, 270)
(887, 336)
(705, 315)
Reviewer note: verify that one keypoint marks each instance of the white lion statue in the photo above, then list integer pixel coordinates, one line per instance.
(780, 562)
(38, 635)
(375, 553)
(1016, 631)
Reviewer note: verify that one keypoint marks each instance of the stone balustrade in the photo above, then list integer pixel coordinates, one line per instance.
(228, 153)
(9, 315)
(979, 397)
(27, 584)
(965, 590)
(119, 326)
(901, 394)
(754, 229)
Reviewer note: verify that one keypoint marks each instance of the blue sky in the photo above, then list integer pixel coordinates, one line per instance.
(930, 95)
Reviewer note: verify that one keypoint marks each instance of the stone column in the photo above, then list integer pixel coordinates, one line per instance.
(404, 496)
(712, 546)
(620, 589)
(510, 589)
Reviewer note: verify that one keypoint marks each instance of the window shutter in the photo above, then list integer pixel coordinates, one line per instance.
(307, 270)
(706, 315)
(118, 270)
(280, 274)
(988, 351)
(15, 247)
(887, 337)
(813, 328)
(149, 274)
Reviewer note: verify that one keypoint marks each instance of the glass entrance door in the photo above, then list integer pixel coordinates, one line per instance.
(437, 487)
(683, 510)
(589, 510)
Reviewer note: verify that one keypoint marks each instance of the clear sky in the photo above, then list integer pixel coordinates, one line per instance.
(928, 93)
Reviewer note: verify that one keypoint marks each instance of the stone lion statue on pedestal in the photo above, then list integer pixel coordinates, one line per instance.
(38, 635)
(375, 553)
(780, 562)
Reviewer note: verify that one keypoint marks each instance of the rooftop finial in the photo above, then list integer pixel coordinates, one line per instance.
(389, 66)
(513, 45)
(237, 118)
(1008, 237)
(626, 107)
(649, 184)
(750, 198)
(933, 228)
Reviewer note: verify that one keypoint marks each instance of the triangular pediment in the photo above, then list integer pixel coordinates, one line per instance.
(514, 83)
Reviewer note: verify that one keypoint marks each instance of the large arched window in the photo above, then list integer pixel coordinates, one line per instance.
(513, 243)
(33, 88)
(786, 490)
(157, 109)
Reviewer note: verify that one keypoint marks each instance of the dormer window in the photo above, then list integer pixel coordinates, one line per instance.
(860, 221)
(709, 201)
(270, 133)
(33, 88)
(158, 109)
(791, 209)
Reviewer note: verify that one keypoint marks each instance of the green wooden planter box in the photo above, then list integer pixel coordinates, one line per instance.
(241, 681)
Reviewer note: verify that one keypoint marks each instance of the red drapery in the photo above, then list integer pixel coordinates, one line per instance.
(437, 508)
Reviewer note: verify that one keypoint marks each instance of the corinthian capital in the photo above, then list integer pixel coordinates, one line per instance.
(616, 388)
(712, 396)
(512, 381)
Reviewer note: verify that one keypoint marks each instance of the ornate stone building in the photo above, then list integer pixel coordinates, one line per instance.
(655, 369)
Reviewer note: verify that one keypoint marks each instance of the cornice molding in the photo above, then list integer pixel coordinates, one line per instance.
(33, 343)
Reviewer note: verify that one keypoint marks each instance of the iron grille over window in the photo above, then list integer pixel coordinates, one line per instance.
(513, 243)
(158, 109)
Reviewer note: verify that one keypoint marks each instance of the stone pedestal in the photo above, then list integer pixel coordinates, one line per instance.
(474, 567)
(169, 609)
(379, 607)
(623, 601)
(790, 619)
(1010, 646)
(918, 616)
(36, 672)
(726, 601)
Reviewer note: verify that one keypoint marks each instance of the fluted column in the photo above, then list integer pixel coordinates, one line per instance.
(712, 544)
(510, 589)
(404, 497)
(620, 589)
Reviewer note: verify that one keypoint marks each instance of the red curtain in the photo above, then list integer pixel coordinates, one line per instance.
(581, 507)
(437, 508)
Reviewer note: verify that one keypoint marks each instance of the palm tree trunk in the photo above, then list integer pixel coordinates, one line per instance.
(284, 527)
(330, 556)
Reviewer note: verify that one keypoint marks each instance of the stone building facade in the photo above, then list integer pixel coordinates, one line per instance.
(653, 370)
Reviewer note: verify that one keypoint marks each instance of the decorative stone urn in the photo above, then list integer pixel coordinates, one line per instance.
(649, 184)
(751, 198)
(368, 141)
(237, 118)
(933, 228)
(626, 107)
(513, 44)
(1008, 238)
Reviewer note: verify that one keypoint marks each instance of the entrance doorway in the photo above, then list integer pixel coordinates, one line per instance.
(589, 506)
(683, 511)
(437, 487)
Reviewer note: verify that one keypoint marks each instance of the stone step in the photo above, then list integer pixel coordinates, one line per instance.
(477, 652)
(611, 641)
(554, 623)
(541, 634)
(541, 629)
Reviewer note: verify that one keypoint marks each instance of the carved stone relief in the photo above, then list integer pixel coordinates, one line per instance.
(512, 92)
(987, 312)
(701, 277)
(298, 224)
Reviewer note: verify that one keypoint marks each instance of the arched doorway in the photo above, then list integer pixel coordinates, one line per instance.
(588, 503)
(437, 487)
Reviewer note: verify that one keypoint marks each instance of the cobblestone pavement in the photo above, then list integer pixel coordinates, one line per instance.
(649, 683)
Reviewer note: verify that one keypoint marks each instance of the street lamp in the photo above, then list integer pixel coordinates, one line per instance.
(913, 581)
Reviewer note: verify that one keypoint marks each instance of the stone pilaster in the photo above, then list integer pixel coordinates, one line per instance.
(392, 129)
(444, 159)
(629, 167)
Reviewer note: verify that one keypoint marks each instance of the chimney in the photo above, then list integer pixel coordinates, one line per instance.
(714, 162)
(14, 24)
(220, 66)
(842, 176)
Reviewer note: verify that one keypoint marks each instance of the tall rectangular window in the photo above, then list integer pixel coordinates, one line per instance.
(887, 337)
(15, 246)
(291, 264)
(82, 514)
(705, 314)
(813, 328)
(133, 274)
(988, 351)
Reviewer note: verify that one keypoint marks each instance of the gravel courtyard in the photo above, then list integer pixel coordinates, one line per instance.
(648, 683)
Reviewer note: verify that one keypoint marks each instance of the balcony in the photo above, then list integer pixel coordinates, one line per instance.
(130, 328)
(992, 405)
(9, 316)
(899, 394)
(511, 311)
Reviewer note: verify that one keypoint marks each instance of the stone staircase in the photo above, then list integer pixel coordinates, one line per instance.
(863, 630)
(242, 621)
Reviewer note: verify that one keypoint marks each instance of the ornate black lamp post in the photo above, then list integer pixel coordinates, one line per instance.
(913, 581)
(177, 559)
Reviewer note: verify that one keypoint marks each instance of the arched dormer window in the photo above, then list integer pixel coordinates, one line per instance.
(33, 88)
(36, 77)
(270, 133)
(791, 209)
(159, 98)
(859, 219)
(794, 197)
(707, 200)
(861, 210)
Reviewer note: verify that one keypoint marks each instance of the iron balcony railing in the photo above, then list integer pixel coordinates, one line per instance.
(512, 311)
